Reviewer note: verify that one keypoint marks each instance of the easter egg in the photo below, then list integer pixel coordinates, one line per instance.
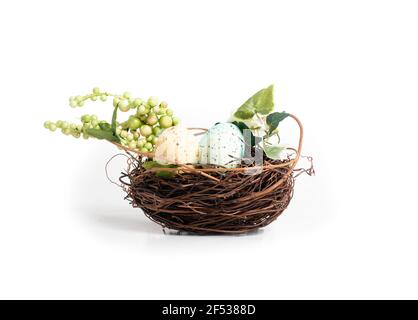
(176, 145)
(222, 145)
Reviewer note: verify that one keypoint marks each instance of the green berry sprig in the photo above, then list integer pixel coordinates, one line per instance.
(74, 129)
(140, 132)
(79, 101)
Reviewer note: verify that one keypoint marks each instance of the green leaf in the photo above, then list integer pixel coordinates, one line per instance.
(114, 118)
(103, 135)
(262, 102)
(274, 119)
(245, 112)
(273, 152)
(150, 164)
(154, 164)
(165, 174)
(161, 174)
(105, 126)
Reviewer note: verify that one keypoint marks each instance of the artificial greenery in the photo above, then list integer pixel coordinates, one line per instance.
(257, 115)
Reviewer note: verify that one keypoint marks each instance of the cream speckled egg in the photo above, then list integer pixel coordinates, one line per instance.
(177, 145)
(222, 145)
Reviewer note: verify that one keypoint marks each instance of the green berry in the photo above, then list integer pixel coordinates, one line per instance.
(47, 124)
(132, 144)
(163, 104)
(66, 131)
(169, 112)
(142, 110)
(64, 125)
(103, 98)
(146, 130)
(176, 121)
(150, 138)
(144, 150)
(118, 130)
(124, 134)
(161, 111)
(153, 101)
(156, 131)
(148, 146)
(86, 118)
(96, 90)
(125, 125)
(130, 137)
(127, 95)
(52, 127)
(141, 143)
(166, 122)
(152, 119)
(137, 102)
(80, 103)
(154, 141)
(85, 136)
(134, 123)
(73, 102)
(123, 106)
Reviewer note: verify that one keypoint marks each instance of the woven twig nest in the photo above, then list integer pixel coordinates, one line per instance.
(213, 200)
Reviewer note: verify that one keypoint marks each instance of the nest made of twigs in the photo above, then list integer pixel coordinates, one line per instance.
(213, 200)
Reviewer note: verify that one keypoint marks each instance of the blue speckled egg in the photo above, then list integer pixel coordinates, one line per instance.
(222, 145)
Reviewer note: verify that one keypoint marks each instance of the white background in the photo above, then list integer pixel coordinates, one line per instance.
(348, 69)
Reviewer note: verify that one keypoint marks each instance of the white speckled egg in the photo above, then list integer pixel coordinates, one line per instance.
(177, 145)
(222, 145)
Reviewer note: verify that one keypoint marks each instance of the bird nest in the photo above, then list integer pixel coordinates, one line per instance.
(214, 200)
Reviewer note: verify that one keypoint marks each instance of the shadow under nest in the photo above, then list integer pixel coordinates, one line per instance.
(190, 202)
